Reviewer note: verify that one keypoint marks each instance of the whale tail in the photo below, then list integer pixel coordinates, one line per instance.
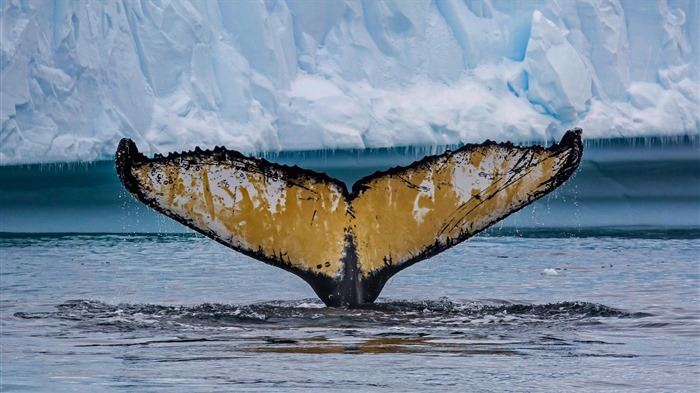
(346, 244)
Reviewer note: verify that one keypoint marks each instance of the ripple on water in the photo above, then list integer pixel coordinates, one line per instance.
(306, 326)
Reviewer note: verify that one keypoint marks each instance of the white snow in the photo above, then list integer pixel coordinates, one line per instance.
(76, 76)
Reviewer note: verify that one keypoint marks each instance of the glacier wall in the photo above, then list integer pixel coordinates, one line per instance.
(280, 75)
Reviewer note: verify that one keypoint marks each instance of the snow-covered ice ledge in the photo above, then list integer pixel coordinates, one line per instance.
(299, 75)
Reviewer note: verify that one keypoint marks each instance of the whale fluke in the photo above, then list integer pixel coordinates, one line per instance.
(346, 244)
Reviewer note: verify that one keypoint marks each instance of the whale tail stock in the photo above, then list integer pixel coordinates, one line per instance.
(346, 244)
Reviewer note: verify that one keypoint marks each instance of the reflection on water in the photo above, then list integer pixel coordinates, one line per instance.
(308, 327)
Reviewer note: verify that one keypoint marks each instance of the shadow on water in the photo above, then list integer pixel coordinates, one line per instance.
(307, 326)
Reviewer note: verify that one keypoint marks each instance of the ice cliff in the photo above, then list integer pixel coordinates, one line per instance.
(295, 75)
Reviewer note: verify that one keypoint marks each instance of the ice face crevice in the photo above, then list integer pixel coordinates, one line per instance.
(557, 78)
(78, 76)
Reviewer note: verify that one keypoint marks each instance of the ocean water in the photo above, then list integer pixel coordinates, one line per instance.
(181, 313)
(594, 288)
(626, 182)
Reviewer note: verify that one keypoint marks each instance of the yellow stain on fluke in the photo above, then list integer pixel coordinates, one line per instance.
(346, 245)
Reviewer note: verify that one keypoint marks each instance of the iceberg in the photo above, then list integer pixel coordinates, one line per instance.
(287, 75)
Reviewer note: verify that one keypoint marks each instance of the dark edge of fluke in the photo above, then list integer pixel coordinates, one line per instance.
(350, 292)
(571, 140)
(128, 156)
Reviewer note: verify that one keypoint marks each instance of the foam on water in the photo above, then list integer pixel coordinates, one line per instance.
(97, 316)
(305, 326)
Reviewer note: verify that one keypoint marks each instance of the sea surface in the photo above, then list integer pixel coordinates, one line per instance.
(532, 310)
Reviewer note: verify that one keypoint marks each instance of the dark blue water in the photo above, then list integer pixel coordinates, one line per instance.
(626, 182)
(101, 312)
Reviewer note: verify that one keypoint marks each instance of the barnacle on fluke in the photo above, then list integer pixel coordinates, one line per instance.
(346, 244)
